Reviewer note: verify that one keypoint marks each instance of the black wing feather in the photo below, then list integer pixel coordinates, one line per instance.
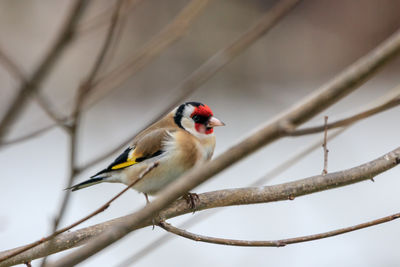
(120, 159)
(123, 158)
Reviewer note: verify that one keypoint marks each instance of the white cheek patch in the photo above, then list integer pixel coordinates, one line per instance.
(187, 124)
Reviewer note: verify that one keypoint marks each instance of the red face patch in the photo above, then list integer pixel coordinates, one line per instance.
(202, 111)
(201, 128)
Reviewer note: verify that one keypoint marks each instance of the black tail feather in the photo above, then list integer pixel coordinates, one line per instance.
(86, 183)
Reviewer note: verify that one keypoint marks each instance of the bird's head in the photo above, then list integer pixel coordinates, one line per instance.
(196, 118)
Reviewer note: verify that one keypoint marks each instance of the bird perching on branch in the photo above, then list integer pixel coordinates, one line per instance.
(179, 141)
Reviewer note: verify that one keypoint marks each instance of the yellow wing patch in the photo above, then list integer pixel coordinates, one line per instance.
(123, 165)
(126, 159)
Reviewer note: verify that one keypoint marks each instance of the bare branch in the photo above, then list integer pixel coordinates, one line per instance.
(339, 87)
(144, 251)
(209, 68)
(221, 198)
(101, 19)
(50, 238)
(325, 147)
(72, 130)
(393, 102)
(28, 136)
(296, 157)
(89, 83)
(274, 243)
(47, 107)
(171, 33)
(289, 162)
(30, 86)
(82, 93)
(11, 66)
(274, 172)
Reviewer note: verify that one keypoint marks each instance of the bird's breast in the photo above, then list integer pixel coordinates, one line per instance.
(181, 153)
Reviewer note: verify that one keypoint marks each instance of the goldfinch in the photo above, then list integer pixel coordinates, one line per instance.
(176, 143)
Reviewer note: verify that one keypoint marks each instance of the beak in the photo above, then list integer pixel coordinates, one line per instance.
(213, 122)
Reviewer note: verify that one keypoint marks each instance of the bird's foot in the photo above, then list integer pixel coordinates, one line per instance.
(147, 198)
(192, 199)
(153, 221)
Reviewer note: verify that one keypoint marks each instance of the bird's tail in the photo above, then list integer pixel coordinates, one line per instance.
(86, 183)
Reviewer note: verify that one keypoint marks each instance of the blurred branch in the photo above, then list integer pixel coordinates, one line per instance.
(277, 170)
(28, 136)
(160, 241)
(296, 157)
(90, 81)
(209, 68)
(395, 101)
(47, 107)
(221, 198)
(325, 146)
(391, 102)
(59, 119)
(11, 66)
(102, 18)
(274, 243)
(333, 91)
(127, 6)
(148, 52)
(32, 84)
(62, 120)
(82, 93)
(63, 230)
(171, 33)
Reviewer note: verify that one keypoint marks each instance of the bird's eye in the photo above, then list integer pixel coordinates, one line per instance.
(200, 119)
(196, 118)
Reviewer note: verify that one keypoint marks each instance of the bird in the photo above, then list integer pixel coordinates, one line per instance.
(161, 153)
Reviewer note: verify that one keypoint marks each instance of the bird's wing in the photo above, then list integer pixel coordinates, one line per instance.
(148, 146)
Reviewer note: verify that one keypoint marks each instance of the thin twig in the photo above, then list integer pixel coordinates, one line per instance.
(11, 67)
(221, 198)
(45, 104)
(335, 90)
(261, 181)
(33, 84)
(284, 166)
(28, 136)
(393, 102)
(208, 69)
(325, 146)
(92, 214)
(89, 83)
(158, 43)
(72, 130)
(273, 243)
(101, 19)
(47, 107)
(83, 91)
(125, 9)
(296, 157)
(97, 21)
(149, 248)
